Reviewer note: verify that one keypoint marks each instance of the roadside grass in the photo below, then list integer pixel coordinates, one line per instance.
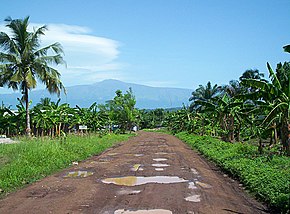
(32, 159)
(266, 177)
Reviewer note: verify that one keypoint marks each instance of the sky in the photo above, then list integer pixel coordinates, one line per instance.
(163, 43)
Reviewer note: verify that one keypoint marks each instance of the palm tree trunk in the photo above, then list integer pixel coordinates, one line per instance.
(28, 129)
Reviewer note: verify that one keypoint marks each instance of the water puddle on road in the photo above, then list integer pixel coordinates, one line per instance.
(160, 159)
(113, 154)
(191, 185)
(194, 171)
(128, 192)
(137, 167)
(204, 185)
(155, 211)
(161, 153)
(160, 165)
(162, 146)
(135, 181)
(159, 169)
(193, 198)
(81, 174)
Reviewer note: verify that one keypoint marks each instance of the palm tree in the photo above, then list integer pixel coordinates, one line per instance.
(204, 93)
(23, 61)
(251, 74)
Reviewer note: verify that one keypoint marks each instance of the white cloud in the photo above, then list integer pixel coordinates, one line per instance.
(77, 42)
(89, 58)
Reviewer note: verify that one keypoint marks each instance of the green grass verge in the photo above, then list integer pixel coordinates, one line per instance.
(33, 159)
(267, 178)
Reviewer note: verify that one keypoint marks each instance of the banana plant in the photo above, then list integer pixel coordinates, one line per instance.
(276, 95)
(224, 111)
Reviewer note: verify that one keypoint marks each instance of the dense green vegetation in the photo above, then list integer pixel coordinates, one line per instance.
(266, 176)
(23, 62)
(26, 162)
(50, 118)
(248, 108)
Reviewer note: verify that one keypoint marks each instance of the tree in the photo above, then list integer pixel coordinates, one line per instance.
(205, 92)
(251, 74)
(287, 48)
(122, 109)
(23, 61)
(276, 96)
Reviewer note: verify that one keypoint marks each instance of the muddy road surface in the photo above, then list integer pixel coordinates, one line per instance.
(151, 173)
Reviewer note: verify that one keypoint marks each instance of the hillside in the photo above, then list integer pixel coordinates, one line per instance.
(84, 95)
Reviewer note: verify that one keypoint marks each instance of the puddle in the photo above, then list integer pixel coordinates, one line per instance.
(137, 167)
(204, 185)
(155, 211)
(113, 154)
(159, 159)
(161, 153)
(82, 174)
(194, 171)
(160, 165)
(193, 198)
(134, 181)
(191, 185)
(128, 192)
(164, 145)
(159, 169)
(138, 155)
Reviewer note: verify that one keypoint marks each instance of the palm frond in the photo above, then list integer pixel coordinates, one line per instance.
(8, 58)
(55, 47)
(55, 60)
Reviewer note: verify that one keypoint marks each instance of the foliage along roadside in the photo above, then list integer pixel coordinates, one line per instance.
(267, 177)
(32, 159)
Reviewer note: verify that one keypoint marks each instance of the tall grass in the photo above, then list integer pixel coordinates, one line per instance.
(32, 159)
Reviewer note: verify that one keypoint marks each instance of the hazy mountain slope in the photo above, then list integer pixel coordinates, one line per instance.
(85, 95)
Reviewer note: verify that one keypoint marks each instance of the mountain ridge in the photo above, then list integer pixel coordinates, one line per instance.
(147, 97)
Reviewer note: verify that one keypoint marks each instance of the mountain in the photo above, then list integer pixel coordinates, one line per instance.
(84, 95)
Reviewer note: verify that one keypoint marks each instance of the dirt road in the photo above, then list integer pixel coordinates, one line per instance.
(150, 173)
